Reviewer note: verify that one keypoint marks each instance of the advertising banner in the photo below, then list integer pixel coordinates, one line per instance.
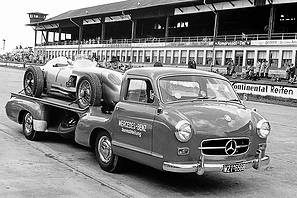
(266, 90)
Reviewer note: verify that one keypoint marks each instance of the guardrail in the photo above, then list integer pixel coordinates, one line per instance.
(274, 36)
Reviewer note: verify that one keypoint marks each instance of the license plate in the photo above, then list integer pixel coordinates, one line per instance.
(231, 168)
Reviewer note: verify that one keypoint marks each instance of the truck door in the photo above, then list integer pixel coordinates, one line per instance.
(134, 117)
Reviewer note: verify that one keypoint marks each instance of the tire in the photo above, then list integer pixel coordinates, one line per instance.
(28, 129)
(107, 160)
(89, 91)
(33, 81)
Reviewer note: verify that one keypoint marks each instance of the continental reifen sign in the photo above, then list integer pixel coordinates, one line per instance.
(266, 90)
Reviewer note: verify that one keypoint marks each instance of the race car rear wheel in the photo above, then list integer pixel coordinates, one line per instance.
(28, 129)
(33, 81)
(89, 91)
(107, 160)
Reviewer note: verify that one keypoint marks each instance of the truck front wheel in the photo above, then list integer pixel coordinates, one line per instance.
(28, 129)
(107, 160)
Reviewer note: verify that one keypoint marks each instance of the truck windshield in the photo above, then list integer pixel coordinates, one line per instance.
(194, 87)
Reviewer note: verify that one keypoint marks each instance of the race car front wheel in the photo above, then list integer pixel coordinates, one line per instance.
(28, 129)
(89, 91)
(33, 81)
(107, 160)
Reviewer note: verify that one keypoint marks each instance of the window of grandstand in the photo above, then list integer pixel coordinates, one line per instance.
(161, 56)
(192, 55)
(108, 55)
(250, 57)
(118, 54)
(154, 56)
(103, 55)
(168, 57)
(262, 55)
(209, 57)
(182, 24)
(175, 56)
(158, 26)
(147, 56)
(99, 55)
(140, 56)
(274, 57)
(219, 57)
(128, 55)
(134, 55)
(113, 53)
(200, 55)
(287, 57)
(183, 57)
(239, 58)
(228, 56)
(123, 56)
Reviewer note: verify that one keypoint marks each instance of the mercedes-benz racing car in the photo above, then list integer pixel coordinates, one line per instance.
(78, 80)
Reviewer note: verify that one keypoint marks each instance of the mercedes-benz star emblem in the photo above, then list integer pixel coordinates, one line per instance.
(230, 147)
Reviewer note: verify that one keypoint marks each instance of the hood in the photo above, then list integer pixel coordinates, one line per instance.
(216, 118)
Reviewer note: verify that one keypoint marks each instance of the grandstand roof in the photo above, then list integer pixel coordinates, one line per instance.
(127, 5)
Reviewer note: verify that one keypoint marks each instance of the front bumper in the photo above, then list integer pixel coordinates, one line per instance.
(201, 166)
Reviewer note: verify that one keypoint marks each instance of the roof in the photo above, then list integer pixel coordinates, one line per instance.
(157, 72)
(120, 6)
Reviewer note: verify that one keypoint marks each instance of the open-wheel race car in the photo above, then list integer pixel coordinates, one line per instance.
(78, 80)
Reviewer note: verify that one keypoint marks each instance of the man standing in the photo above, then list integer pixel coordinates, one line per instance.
(192, 64)
(114, 64)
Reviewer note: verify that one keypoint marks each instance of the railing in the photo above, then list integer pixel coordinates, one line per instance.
(274, 36)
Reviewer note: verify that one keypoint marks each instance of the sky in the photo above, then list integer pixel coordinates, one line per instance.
(14, 17)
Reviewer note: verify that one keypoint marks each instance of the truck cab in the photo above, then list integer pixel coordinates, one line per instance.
(177, 120)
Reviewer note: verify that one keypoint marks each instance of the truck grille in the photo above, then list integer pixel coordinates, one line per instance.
(225, 146)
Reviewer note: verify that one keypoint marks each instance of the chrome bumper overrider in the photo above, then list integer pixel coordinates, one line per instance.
(202, 166)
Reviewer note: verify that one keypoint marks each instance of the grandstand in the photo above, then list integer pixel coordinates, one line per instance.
(211, 32)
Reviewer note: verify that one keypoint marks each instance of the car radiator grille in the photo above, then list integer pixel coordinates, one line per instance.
(225, 146)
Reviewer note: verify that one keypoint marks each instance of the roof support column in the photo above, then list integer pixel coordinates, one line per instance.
(271, 22)
(167, 28)
(60, 31)
(80, 36)
(80, 33)
(133, 29)
(46, 36)
(103, 28)
(215, 34)
(35, 41)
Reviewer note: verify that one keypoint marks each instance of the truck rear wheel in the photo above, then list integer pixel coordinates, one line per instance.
(89, 91)
(28, 129)
(107, 160)
(33, 81)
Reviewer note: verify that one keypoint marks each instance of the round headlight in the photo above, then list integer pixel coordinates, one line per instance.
(183, 131)
(263, 128)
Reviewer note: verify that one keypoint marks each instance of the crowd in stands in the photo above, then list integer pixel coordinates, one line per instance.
(21, 55)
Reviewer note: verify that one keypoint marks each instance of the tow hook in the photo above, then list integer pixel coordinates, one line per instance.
(257, 161)
(200, 167)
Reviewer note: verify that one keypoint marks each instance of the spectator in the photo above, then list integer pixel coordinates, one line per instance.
(257, 70)
(228, 68)
(192, 64)
(158, 64)
(262, 68)
(115, 64)
(267, 67)
(233, 72)
(292, 74)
